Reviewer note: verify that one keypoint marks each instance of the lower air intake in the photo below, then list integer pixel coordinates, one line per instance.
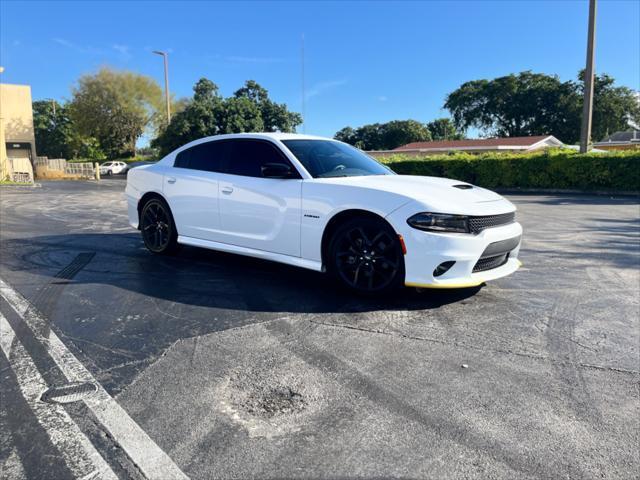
(489, 263)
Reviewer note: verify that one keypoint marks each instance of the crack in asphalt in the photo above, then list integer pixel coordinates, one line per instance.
(480, 349)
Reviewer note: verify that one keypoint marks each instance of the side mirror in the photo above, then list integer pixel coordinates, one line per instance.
(277, 170)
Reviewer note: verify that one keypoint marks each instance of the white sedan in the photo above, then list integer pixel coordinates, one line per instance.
(321, 204)
(113, 168)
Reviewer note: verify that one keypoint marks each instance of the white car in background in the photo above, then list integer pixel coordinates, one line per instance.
(113, 168)
(321, 204)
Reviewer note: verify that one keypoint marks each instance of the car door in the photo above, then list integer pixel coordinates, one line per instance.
(258, 212)
(191, 188)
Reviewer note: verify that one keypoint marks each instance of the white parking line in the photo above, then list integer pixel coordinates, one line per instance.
(149, 457)
(78, 452)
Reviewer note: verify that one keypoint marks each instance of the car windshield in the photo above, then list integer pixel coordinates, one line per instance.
(326, 158)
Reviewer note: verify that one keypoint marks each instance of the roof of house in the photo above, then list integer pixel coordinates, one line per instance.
(525, 142)
(628, 136)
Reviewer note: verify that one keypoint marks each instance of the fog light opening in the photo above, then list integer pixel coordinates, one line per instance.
(443, 268)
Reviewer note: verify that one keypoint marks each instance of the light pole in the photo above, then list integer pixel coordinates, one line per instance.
(165, 57)
(304, 113)
(587, 107)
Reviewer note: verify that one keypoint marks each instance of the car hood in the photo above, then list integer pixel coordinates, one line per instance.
(438, 194)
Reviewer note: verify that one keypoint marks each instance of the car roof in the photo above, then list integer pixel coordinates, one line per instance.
(267, 135)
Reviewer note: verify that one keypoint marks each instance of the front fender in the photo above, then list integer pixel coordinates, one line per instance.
(321, 202)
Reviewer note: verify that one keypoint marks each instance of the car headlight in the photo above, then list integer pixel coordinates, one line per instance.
(440, 222)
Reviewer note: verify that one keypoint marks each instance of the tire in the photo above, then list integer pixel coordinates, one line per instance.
(109, 173)
(158, 227)
(365, 256)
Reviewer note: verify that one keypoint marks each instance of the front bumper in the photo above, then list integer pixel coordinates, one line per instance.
(427, 250)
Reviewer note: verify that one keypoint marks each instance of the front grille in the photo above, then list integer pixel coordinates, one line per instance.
(489, 263)
(478, 224)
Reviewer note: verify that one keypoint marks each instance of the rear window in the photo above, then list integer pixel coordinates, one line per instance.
(208, 156)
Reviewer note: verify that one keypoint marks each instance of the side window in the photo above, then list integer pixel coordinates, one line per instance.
(248, 157)
(182, 159)
(209, 157)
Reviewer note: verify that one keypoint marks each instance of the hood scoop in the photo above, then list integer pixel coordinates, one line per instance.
(463, 186)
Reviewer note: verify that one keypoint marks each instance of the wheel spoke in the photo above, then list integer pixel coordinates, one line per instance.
(357, 274)
(379, 244)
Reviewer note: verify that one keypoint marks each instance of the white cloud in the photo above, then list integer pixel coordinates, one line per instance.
(320, 88)
(76, 47)
(382, 98)
(123, 50)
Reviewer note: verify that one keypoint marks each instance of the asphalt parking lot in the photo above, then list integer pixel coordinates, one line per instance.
(240, 368)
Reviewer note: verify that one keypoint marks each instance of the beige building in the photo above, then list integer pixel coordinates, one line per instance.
(17, 140)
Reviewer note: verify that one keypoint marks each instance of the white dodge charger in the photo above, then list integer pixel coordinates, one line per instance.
(321, 204)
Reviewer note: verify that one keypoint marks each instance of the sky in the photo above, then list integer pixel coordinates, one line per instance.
(365, 62)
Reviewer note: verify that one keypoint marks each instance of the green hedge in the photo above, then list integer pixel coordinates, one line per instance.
(552, 169)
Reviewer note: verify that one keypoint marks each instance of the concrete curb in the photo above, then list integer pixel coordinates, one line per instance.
(26, 185)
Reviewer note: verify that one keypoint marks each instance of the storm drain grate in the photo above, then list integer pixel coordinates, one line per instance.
(69, 393)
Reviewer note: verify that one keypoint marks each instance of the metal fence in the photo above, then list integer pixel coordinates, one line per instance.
(84, 169)
(21, 171)
(21, 177)
(51, 163)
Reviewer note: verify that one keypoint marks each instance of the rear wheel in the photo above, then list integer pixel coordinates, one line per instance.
(365, 255)
(158, 228)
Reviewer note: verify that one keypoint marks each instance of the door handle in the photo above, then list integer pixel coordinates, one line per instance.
(227, 190)
(171, 180)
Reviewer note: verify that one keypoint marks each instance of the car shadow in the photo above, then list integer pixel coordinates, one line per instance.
(207, 278)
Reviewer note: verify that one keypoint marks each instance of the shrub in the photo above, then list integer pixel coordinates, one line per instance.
(551, 169)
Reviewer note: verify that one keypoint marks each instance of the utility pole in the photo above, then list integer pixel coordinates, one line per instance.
(165, 56)
(587, 107)
(304, 113)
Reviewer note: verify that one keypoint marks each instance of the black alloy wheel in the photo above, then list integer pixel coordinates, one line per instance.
(366, 256)
(157, 227)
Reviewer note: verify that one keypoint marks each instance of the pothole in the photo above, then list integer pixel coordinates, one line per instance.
(69, 393)
(273, 397)
(274, 401)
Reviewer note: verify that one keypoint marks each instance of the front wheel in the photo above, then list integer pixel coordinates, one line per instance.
(158, 228)
(366, 256)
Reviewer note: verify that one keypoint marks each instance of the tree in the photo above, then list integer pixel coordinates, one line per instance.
(538, 104)
(516, 105)
(347, 135)
(384, 136)
(400, 132)
(52, 129)
(275, 116)
(56, 135)
(614, 108)
(241, 114)
(208, 113)
(444, 129)
(199, 118)
(116, 108)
